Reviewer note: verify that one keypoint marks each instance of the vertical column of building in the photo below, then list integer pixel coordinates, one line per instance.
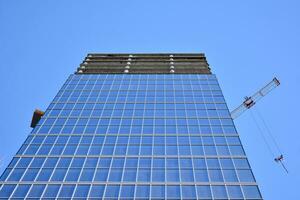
(172, 67)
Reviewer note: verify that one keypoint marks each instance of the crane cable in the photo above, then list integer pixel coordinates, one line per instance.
(262, 134)
(277, 159)
(268, 131)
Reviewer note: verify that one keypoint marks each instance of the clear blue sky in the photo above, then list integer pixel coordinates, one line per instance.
(246, 44)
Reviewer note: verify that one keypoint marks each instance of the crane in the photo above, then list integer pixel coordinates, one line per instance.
(251, 101)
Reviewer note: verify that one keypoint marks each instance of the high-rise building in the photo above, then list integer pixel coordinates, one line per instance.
(144, 126)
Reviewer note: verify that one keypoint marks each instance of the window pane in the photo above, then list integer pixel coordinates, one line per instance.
(204, 192)
(219, 192)
(6, 190)
(97, 191)
(16, 174)
(241, 163)
(44, 175)
(234, 192)
(30, 174)
(73, 174)
(51, 190)
(187, 175)
(58, 174)
(127, 191)
(201, 175)
(82, 191)
(173, 191)
(67, 191)
(188, 192)
(36, 191)
(158, 191)
(87, 174)
(230, 176)
(129, 175)
(158, 175)
(245, 175)
(115, 175)
(112, 191)
(21, 191)
(144, 174)
(101, 174)
(142, 191)
(215, 175)
(251, 192)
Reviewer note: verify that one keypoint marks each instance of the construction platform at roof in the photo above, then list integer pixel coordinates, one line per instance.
(154, 63)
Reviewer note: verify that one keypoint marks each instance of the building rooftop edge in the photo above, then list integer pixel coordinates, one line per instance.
(144, 63)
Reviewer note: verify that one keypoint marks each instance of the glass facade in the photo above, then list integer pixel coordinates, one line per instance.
(143, 136)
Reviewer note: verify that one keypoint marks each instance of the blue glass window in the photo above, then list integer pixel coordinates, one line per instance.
(36, 190)
(51, 191)
(6, 190)
(144, 175)
(187, 175)
(23, 162)
(16, 174)
(73, 174)
(127, 191)
(142, 191)
(44, 174)
(234, 192)
(97, 191)
(37, 162)
(188, 192)
(245, 175)
(219, 192)
(241, 163)
(230, 176)
(21, 191)
(204, 192)
(201, 175)
(115, 175)
(87, 174)
(112, 191)
(30, 175)
(158, 175)
(158, 191)
(82, 191)
(64, 162)
(58, 174)
(66, 191)
(51, 162)
(251, 192)
(215, 175)
(129, 175)
(173, 191)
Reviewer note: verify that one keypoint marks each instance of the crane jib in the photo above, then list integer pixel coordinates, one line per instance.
(251, 101)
